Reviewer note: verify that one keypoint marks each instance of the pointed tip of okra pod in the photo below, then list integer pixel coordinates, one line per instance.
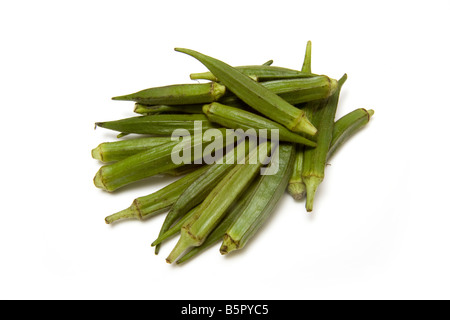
(127, 97)
(184, 243)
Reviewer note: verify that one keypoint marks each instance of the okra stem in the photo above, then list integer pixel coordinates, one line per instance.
(268, 63)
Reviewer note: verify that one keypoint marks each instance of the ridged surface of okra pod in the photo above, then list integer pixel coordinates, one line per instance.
(236, 118)
(216, 204)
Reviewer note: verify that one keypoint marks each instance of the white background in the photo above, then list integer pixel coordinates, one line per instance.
(380, 228)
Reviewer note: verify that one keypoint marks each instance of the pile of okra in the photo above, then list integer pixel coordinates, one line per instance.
(226, 201)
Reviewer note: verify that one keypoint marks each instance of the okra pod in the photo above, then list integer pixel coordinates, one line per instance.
(157, 202)
(346, 126)
(261, 73)
(269, 191)
(296, 186)
(343, 129)
(147, 163)
(293, 91)
(178, 94)
(118, 150)
(149, 110)
(315, 160)
(217, 234)
(255, 95)
(163, 124)
(199, 189)
(235, 118)
(213, 208)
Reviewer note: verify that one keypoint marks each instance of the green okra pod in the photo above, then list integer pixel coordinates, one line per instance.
(214, 207)
(268, 192)
(199, 189)
(178, 94)
(217, 234)
(261, 73)
(157, 202)
(158, 109)
(255, 95)
(235, 118)
(296, 186)
(163, 124)
(150, 162)
(346, 126)
(315, 160)
(118, 150)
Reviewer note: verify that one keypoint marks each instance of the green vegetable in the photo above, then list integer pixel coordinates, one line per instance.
(216, 204)
(157, 202)
(218, 233)
(269, 191)
(163, 124)
(314, 161)
(146, 164)
(296, 186)
(261, 73)
(255, 95)
(240, 119)
(346, 126)
(200, 188)
(149, 110)
(178, 94)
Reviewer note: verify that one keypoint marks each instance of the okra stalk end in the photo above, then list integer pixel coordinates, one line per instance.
(203, 76)
(370, 112)
(297, 190)
(228, 245)
(334, 85)
(184, 243)
(311, 183)
(131, 212)
(97, 153)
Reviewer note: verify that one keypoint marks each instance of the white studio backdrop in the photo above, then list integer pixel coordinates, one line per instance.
(380, 225)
